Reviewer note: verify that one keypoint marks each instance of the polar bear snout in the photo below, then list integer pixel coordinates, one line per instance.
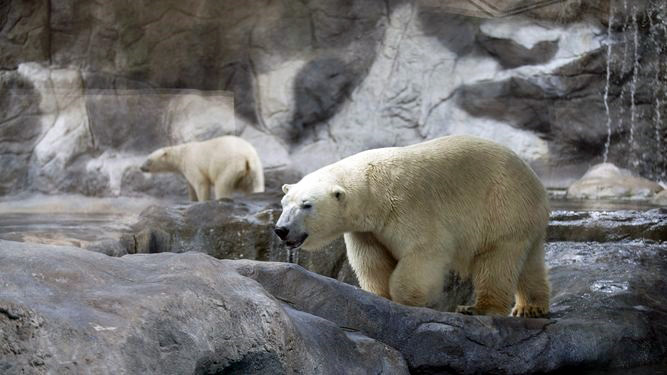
(281, 232)
(290, 238)
(146, 166)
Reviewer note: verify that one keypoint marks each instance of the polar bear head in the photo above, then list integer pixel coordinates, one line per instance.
(159, 161)
(313, 213)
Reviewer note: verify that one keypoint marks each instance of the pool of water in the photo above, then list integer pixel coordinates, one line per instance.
(69, 220)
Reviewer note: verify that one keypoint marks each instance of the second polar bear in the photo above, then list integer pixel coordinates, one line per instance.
(411, 214)
(228, 164)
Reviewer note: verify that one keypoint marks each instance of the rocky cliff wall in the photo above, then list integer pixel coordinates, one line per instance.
(87, 89)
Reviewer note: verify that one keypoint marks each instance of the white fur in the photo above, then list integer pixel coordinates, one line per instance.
(227, 163)
(411, 214)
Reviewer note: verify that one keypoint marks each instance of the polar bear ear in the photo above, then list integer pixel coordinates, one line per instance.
(286, 188)
(338, 193)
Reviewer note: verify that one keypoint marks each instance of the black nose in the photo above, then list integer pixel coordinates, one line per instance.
(281, 232)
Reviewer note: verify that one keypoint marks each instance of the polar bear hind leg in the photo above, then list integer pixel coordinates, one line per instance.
(225, 183)
(495, 274)
(532, 297)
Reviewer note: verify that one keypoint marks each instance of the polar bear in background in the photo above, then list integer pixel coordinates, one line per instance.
(229, 164)
(411, 214)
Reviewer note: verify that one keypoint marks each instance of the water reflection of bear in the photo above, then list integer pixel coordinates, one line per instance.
(411, 214)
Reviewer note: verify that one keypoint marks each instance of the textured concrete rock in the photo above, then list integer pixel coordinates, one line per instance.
(64, 310)
(316, 81)
(201, 116)
(20, 128)
(608, 181)
(24, 26)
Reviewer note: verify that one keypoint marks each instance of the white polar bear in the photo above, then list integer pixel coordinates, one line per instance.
(228, 163)
(411, 214)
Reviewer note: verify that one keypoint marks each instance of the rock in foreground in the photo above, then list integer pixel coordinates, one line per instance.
(65, 309)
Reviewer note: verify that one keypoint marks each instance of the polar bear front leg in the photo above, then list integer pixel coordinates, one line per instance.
(419, 278)
(371, 262)
(192, 193)
(203, 190)
(200, 184)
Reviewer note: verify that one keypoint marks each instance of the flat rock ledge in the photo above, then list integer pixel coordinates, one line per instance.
(67, 310)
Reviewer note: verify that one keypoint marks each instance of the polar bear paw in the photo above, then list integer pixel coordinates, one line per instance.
(530, 311)
(466, 310)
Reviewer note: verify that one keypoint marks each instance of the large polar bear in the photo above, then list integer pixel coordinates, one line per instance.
(411, 214)
(227, 163)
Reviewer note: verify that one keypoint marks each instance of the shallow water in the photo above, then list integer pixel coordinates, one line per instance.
(76, 229)
(70, 219)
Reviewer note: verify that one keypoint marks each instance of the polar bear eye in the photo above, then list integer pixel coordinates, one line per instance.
(306, 206)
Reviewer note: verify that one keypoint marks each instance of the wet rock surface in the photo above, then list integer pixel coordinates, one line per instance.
(608, 226)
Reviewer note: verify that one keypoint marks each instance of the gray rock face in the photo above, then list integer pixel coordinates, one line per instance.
(76, 311)
(24, 27)
(314, 82)
(20, 127)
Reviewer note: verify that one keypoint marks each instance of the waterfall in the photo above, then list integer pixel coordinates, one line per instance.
(635, 96)
(654, 30)
(633, 87)
(606, 88)
(624, 31)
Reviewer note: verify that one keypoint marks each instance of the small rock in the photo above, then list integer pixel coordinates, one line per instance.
(608, 181)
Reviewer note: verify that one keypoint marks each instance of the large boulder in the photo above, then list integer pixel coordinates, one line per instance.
(69, 310)
(65, 310)
(608, 310)
(608, 181)
(660, 199)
